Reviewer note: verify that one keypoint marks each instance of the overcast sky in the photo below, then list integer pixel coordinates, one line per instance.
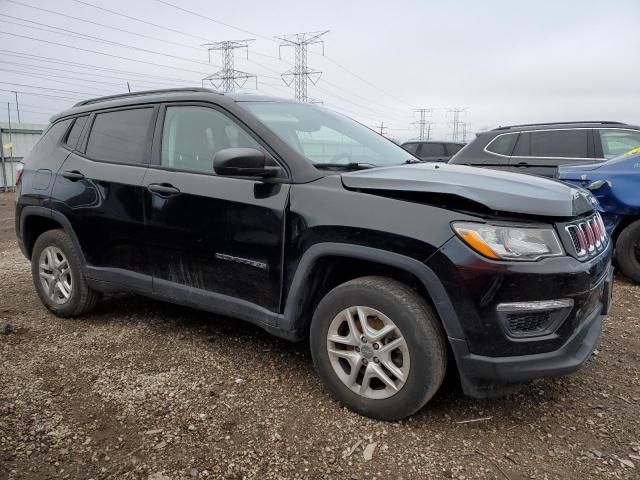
(504, 61)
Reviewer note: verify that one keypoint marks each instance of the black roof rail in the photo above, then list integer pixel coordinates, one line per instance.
(142, 93)
(596, 122)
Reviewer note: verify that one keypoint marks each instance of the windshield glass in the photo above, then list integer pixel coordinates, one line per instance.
(327, 138)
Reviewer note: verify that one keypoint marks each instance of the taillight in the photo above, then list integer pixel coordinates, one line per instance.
(19, 170)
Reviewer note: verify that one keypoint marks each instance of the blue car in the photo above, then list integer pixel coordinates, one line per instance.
(616, 185)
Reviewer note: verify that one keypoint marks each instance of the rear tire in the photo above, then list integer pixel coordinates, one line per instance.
(387, 378)
(57, 275)
(628, 251)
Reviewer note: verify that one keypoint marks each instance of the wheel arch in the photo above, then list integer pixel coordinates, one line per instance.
(307, 286)
(34, 221)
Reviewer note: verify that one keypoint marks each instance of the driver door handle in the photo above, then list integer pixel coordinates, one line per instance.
(522, 164)
(163, 189)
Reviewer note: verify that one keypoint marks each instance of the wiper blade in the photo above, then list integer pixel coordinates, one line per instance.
(412, 160)
(346, 166)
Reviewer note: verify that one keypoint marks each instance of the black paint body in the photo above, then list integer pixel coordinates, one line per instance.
(261, 249)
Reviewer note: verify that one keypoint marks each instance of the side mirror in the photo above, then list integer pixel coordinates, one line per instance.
(243, 162)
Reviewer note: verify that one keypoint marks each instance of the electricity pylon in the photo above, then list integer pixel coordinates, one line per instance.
(300, 73)
(228, 78)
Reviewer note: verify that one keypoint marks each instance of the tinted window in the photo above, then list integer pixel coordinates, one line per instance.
(411, 147)
(522, 145)
(120, 136)
(454, 148)
(502, 144)
(559, 143)
(192, 135)
(76, 130)
(618, 142)
(49, 140)
(432, 150)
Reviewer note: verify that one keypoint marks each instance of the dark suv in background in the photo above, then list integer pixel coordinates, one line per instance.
(541, 147)
(312, 226)
(432, 151)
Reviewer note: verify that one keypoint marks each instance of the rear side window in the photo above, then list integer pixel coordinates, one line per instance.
(618, 142)
(502, 144)
(454, 148)
(432, 150)
(411, 147)
(76, 131)
(120, 136)
(559, 143)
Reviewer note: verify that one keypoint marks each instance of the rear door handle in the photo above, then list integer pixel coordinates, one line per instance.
(73, 175)
(522, 164)
(163, 189)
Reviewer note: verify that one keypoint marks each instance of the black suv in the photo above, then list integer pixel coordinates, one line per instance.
(432, 151)
(540, 148)
(312, 226)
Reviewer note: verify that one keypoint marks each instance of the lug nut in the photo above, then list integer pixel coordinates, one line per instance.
(365, 361)
(376, 359)
(363, 339)
(357, 349)
(376, 346)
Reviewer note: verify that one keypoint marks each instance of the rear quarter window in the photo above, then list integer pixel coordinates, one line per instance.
(502, 144)
(42, 151)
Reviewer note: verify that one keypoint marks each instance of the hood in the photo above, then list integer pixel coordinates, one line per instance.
(496, 190)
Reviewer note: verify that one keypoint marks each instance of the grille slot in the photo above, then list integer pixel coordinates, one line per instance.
(588, 236)
(527, 323)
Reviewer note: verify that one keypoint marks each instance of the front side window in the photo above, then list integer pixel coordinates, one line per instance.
(502, 144)
(559, 143)
(192, 135)
(120, 136)
(76, 131)
(432, 150)
(618, 142)
(326, 138)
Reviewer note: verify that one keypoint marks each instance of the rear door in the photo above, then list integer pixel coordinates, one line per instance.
(432, 152)
(210, 234)
(99, 189)
(540, 152)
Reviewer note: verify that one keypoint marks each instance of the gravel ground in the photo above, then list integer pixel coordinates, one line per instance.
(143, 389)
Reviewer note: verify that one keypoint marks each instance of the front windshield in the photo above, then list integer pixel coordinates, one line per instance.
(327, 138)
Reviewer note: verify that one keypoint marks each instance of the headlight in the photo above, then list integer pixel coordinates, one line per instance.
(508, 242)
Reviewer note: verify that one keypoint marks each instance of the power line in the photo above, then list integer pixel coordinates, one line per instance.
(64, 31)
(41, 58)
(40, 94)
(228, 78)
(101, 53)
(142, 35)
(300, 74)
(197, 37)
(48, 88)
(51, 75)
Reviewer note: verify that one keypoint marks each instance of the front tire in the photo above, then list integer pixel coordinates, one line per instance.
(378, 347)
(628, 251)
(57, 275)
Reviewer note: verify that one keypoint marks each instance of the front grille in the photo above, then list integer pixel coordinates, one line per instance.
(528, 323)
(588, 236)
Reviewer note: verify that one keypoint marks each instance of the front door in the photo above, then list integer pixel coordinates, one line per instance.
(207, 233)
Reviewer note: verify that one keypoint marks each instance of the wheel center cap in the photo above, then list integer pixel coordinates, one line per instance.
(366, 350)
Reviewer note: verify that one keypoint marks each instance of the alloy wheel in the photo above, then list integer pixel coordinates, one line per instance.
(368, 352)
(55, 275)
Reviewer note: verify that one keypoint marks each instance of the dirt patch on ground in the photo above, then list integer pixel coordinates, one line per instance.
(143, 389)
